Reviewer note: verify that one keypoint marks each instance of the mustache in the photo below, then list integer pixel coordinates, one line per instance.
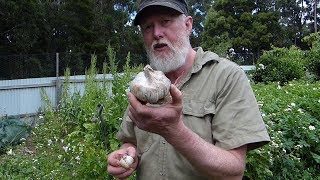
(162, 41)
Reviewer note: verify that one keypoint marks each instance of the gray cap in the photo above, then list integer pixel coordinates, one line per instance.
(178, 5)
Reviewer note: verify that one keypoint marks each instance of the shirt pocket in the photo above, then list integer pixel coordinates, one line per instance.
(198, 116)
(198, 108)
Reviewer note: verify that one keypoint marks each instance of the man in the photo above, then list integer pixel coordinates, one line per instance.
(213, 119)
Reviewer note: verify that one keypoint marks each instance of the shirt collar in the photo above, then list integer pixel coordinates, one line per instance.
(202, 58)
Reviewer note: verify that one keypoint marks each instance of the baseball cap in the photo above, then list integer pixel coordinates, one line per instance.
(178, 5)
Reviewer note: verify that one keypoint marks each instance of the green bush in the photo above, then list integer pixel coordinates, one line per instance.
(280, 65)
(313, 56)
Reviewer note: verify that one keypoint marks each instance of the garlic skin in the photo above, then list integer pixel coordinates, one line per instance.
(126, 161)
(150, 85)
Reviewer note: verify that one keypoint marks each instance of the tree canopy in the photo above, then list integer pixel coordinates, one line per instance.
(89, 26)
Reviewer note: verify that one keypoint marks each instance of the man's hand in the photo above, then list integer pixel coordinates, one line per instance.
(162, 120)
(114, 167)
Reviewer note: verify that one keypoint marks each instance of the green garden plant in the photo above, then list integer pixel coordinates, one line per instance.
(313, 55)
(280, 65)
(293, 121)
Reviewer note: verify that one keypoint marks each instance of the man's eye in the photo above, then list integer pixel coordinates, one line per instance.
(165, 21)
(146, 27)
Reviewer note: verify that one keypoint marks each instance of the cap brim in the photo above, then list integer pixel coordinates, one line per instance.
(152, 4)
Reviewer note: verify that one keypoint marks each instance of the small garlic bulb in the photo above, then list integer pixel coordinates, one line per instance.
(150, 85)
(126, 161)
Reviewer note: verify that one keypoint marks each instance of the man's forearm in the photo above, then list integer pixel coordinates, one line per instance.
(205, 157)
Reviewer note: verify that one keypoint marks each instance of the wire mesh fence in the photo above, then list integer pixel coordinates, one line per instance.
(53, 64)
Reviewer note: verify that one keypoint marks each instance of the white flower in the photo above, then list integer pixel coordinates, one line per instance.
(311, 128)
(10, 152)
(49, 142)
(66, 148)
(77, 158)
(59, 157)
(300, 110)
(261, 66)
(293, 104)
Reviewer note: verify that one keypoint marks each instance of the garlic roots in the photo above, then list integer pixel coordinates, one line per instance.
(126, 161)
(150, 85)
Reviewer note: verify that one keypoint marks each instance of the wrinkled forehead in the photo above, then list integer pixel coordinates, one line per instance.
(157, 11)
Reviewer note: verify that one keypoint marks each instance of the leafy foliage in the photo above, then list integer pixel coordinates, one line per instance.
(280, 65)
(293, 122)
(313, 56)
(72, 143)
(238, 25)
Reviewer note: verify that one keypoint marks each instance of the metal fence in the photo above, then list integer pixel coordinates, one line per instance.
(23, 97)
(45, 65)
(23, 76)
(54, 64)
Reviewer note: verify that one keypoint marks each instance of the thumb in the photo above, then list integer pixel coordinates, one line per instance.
(131, 151)
(176, 94)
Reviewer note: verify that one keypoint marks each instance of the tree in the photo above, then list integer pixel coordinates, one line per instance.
(23, 27)
(198, 10)
(245, 24)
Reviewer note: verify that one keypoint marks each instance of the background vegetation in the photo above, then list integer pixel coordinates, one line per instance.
(72, 142)
(89, 26)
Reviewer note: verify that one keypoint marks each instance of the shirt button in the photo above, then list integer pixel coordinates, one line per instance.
(163, 142)
(161, 174)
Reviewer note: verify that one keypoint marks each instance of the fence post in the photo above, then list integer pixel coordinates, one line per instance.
(57, 82)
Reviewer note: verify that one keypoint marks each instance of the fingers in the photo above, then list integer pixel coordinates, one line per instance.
(114, 167)
(176, 95)
(131, 151)
(119, 172)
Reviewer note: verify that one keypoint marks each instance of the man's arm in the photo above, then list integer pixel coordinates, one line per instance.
(207, 158)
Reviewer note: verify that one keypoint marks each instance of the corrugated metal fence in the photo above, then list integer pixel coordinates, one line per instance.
(23, 96)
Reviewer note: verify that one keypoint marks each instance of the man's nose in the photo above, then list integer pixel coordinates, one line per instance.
(158, 32)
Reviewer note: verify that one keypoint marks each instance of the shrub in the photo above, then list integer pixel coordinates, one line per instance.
(280, 65)
(313, 56)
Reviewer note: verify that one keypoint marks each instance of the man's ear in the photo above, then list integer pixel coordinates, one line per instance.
(189, 22)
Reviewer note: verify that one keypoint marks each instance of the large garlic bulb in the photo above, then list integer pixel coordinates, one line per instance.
(150, 85)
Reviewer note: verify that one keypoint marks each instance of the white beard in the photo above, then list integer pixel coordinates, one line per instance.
(172, 60)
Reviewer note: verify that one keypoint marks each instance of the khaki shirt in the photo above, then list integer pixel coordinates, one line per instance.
(218, 105)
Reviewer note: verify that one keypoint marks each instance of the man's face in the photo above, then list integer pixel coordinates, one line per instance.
(166, 40)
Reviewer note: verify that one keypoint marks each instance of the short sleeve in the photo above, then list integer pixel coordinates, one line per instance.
(237, 120)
